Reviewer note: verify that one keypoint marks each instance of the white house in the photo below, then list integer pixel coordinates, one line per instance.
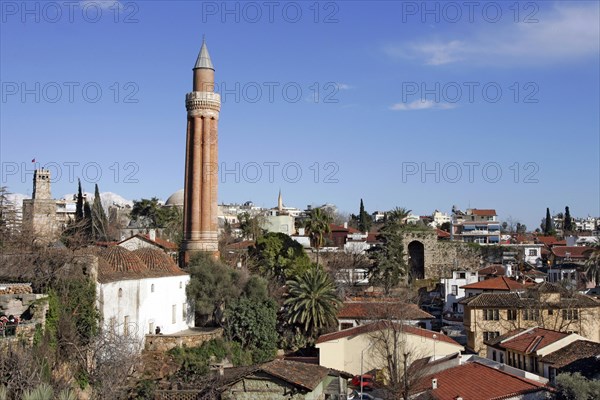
(453, 290)
(141, 290)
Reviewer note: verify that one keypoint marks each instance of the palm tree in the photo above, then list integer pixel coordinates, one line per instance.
(592, 264)
(311, 301)
(317, 226)
(398, 215)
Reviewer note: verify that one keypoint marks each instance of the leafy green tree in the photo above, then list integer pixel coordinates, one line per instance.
(212, 286)
(151, 214)
(311, 302)
(317, 226)
(389, 264)
(568, 224)
(364, 219)
(576, 387)
(279, 257)
(251, 226)
(253, 323)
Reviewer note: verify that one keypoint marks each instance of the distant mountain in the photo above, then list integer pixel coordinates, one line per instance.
(107, 198)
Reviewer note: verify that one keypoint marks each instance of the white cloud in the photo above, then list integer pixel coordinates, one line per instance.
(421, 105)
(563, 33)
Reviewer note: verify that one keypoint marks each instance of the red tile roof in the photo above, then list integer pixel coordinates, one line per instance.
(533, 340)
(165, 244)
(547, 240)
(579, 349)
(377, 309)
(379, 325)
(340, 228)
(484, 212)
(442, 234)
(493, 269)
(574, 251)
(475, 381)
(243, 245)
(497, 283)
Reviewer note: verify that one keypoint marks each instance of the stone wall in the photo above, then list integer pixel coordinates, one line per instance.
(26, 306)
(191, 338)
(441, 257)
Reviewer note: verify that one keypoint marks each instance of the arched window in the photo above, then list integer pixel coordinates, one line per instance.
(120, 292)
(152, 288)
(180, 284)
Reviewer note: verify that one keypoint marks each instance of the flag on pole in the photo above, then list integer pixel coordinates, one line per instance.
(33, 160)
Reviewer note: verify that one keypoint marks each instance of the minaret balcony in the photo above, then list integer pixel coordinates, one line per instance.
(201, 100)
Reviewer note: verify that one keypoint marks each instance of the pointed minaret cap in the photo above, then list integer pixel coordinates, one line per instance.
(203, 60)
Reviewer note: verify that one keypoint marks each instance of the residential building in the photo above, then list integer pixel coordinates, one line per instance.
(546, 305)
(440, 218)
(524, 348)
(354, 350)
(452, 289)
(140, 241)
(282, 380)
(476, 226)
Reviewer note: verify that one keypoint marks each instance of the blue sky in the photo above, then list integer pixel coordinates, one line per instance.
(369, 94)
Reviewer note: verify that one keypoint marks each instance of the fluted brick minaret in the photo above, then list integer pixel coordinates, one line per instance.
(200, 226)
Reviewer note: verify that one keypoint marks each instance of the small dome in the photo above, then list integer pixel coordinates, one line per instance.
(176, 199)
(157, 260)
(122, 260)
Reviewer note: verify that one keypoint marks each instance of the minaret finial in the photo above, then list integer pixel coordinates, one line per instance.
(204, 60)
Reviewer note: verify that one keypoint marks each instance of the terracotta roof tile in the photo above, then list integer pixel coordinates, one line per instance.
(578, 350)
(573, 251)
(498, 283)
(379, 325)
(532, 340)
(484, 212)
(377, 309)
(158, 261)
(475, 381)
(493, 269)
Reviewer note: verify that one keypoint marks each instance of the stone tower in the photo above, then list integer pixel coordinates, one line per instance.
(39, 213)
(200, 224)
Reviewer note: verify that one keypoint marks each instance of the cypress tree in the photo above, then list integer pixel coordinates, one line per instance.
(568, 223)
(548, 223)
(87, 216)
(99, 220)
(364, 220)
(79, 206)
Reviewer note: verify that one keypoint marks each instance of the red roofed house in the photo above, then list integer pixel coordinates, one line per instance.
(523, 348)
(499, 284)
(568, 265)
(361, 310)
(476, 381)
(140, 241)
(342, 350)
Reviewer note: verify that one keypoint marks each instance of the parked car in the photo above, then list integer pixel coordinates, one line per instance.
(365, 396)
(367, 381)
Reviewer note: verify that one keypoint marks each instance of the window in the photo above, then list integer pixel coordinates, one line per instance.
(184, 311)
(494, 355)
(152, 288)
(462, 275)
(454, 290)
(570, 314)
(120, 292)
(346, 325)
(532, 252)
(511, 315)
(180, 285)
(491, 315)
(174, 314)
(490, 335)
(531, 315)
(550, 312)
(502, 358)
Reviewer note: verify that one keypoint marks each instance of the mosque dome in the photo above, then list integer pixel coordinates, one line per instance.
(176, 199)
(158, 261)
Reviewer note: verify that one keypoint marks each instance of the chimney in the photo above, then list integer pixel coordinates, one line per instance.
(434, 383)
(301, 231)
(345, 225)
(152, 234)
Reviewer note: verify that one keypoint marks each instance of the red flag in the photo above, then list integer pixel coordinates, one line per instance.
(33, 160)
